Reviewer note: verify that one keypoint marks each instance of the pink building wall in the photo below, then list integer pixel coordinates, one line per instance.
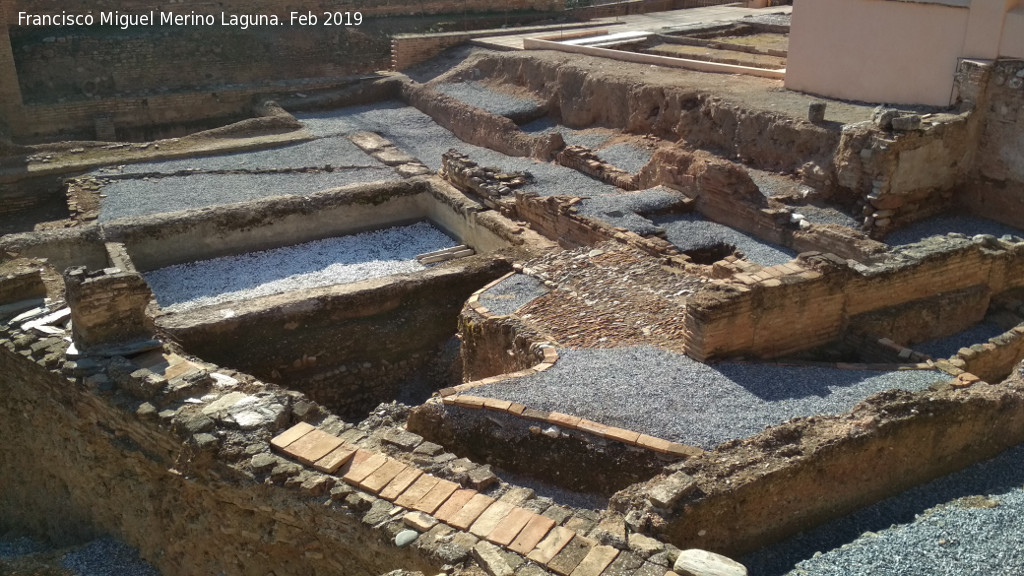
(897, 52)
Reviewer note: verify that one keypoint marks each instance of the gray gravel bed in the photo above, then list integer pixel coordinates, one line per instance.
(772, 184)
(626, 210)
(942, 528)
(126, 198)
(313, 264)
(941, 225)
(771, 19)
(948, 346)
(671, 396)
(418, 134)
(626, 156)
(592, 138)
(108, 557)
(826, 215)
(693, 232)
(512, 293)
(20, 546)
(331, 151)
(486, 98)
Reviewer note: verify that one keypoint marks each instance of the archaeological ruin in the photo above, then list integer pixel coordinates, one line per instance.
(520, 288)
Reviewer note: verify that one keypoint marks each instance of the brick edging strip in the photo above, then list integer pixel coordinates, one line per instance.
(622, 435)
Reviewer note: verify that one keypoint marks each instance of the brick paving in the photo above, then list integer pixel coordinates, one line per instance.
(501, 522)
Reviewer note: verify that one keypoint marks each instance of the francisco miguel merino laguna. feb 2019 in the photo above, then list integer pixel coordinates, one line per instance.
(153, 18)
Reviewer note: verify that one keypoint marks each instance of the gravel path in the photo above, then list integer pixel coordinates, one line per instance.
(418, 134)
(626, 156)
(313, 264)
(127, 198)
(948, 346)
(627, 209)
(692, 232)
(486, 98)
(966, 524)
(670, 396)
(941, 225)
(512, 294)
(592, 138)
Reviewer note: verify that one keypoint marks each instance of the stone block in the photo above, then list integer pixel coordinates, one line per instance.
(696, 562)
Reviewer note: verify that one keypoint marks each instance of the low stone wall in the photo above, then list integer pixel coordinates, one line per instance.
(994, 359)
(770, 314)
(928, 318)
(494, 346)
(751, 493)
(24, 284)
(479, 127)
(544, 449)
(349, 347)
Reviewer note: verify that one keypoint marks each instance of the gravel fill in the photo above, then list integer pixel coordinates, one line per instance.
(948, 346)
(486, 98)
(942, 225)
(108, 557)
(626, 210)
(20, 546)
(670, 396)
(826, 215)
(418, 134)
(512, 294)
(943, 528)
(332, 151)
(626, 156)
(324, 262)
(128, 198)
(692, 232)
(592, 138)
(772, 19)
(772, 184)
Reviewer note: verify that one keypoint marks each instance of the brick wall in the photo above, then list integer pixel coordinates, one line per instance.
(792, 311)
(107, 308)
(21, 285)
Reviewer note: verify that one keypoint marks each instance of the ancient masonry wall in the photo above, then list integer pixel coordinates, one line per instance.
(357, 342)
(179, 485)
(64, 73)
(997, 191)
(748, 494)
(780, 311)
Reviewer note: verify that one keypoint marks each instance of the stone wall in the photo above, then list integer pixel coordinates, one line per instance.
(349, 347)
(926, 319)
(177, 485)
(583, 94)
(751, 493)
(108, 307)
(791, 312)
(64, 73)
(997, 190)
(21, 285)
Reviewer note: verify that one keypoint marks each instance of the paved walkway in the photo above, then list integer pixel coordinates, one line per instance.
(640, 22)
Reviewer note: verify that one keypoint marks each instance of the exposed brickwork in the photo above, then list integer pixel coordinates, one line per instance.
(107, 307)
